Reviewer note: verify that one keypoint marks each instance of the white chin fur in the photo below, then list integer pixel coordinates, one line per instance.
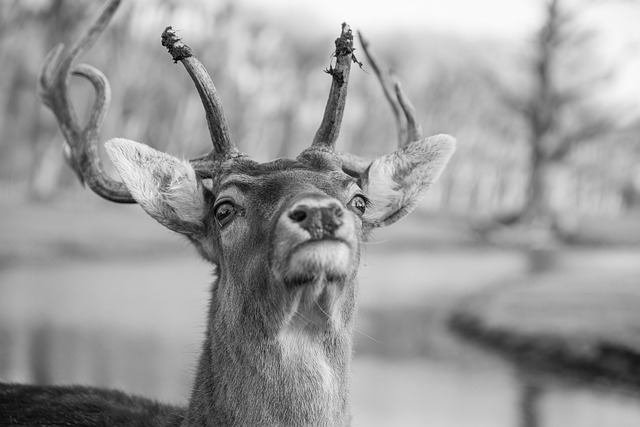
(320, 258)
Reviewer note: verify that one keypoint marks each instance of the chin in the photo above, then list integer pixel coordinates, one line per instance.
(320, 262)
(316, 275)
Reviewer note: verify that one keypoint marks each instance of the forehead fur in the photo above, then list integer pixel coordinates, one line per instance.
(316, 159)
(314, 166)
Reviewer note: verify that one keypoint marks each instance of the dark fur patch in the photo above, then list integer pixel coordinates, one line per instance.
(31, 405)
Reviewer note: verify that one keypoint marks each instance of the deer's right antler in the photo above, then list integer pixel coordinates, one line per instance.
(408, 128)
(81, 146)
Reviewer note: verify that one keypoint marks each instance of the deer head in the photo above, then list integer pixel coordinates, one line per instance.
(285, 235)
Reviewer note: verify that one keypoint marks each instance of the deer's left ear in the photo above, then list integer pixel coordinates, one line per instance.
(396, 182)
(164, 186)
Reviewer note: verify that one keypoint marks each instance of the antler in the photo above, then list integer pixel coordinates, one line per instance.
(80, 148)
(327, 134)
(218, 129)
(408, 128)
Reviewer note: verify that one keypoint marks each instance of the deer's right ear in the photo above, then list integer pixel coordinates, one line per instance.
(395, 183)
(164, 186)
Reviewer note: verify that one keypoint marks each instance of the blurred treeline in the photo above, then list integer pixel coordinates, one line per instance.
(270, 78)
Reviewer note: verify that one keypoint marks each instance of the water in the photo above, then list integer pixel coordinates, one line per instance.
(137, 325)
(431, 393)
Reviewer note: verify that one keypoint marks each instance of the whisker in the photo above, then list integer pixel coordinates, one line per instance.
(322, 310)
(378, 242)
(304, 319)
(367, 336)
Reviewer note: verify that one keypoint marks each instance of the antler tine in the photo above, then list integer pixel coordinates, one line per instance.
(216, 121)
(409, 130)
(80, 148)
(327, 134)
(414, 128)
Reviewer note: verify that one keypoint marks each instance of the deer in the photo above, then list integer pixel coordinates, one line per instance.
(285, 237)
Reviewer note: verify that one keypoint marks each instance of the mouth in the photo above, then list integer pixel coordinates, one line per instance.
(317, 273)
(319, 261)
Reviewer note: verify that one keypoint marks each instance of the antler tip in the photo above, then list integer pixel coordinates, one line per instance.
(174, 45)
(344, 43)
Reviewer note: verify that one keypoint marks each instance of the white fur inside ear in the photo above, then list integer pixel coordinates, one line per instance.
(397, 181)
(164, 186)
(383, 192)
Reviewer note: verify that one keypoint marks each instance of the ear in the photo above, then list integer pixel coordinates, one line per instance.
(164, 186)
(395, 183)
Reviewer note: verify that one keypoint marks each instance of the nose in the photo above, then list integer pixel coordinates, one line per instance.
(321, 217)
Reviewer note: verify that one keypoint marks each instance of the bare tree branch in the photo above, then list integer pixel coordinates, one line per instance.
(589, 130)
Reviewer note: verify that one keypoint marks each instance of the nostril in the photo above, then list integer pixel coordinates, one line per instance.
(337, 211)
(298, 215)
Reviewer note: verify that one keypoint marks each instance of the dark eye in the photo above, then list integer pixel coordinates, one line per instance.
(358, 204)
(225, 212)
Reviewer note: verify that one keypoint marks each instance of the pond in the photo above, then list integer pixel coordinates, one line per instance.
(137, 324)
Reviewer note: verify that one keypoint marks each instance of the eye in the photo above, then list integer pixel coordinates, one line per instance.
(225, 212)
(358, 204)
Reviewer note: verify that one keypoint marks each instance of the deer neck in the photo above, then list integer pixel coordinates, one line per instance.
(275, 363)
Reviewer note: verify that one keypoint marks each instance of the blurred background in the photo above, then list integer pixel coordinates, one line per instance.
(532, 235)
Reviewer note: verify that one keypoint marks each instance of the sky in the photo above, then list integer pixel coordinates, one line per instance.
(501, 18)
(617, 22)
(459, 16)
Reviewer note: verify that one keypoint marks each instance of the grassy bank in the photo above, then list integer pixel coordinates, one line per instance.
(577, 325)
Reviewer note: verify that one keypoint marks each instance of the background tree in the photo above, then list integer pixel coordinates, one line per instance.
(561, 110)
(254, 59)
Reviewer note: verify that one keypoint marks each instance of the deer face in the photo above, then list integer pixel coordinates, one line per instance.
(301, 218)
(284, 234)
